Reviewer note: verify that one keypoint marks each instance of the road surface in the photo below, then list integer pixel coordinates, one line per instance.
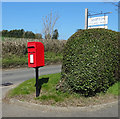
(23, 110)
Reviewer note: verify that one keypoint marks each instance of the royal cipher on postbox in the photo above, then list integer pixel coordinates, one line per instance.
(35, 54)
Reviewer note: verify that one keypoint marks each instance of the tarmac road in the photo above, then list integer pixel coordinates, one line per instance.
(18, 75)
(22, 109)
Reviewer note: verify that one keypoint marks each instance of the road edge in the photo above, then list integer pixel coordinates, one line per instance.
(61, 109)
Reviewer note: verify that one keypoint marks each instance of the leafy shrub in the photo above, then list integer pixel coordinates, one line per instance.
(90, 62)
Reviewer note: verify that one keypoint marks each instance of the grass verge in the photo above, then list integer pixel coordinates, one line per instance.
(49, 95)
(10, 60)
(48, 91)
(115, 89)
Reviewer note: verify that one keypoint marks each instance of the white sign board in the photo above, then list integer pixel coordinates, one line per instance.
(98, 20)
(105, 27)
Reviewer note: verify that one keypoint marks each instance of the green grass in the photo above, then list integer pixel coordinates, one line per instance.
(115, 89)
(48, 90)
(53, 57)
(13, 60)
(24, 88)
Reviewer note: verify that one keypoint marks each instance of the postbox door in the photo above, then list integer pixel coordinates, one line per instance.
(31, 54)
(35, 54)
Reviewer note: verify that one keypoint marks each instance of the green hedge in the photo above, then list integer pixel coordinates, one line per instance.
(90, 62)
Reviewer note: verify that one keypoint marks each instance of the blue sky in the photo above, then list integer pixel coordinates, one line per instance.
(28, 15)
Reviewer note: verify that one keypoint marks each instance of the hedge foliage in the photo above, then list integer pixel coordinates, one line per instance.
(18, 46)
(90, 62)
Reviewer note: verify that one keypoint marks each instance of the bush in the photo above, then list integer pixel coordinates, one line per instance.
(18, 46)
(90, 62)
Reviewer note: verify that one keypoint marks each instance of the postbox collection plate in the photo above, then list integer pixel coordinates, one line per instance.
(31, 58)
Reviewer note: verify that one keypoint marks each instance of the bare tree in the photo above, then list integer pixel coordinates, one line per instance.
(49, 22)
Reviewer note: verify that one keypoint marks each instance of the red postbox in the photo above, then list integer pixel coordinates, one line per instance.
(35, 54)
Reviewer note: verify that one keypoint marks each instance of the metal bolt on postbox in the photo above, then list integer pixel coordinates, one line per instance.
(36, 59)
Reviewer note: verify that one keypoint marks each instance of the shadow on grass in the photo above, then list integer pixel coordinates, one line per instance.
(40, 83)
